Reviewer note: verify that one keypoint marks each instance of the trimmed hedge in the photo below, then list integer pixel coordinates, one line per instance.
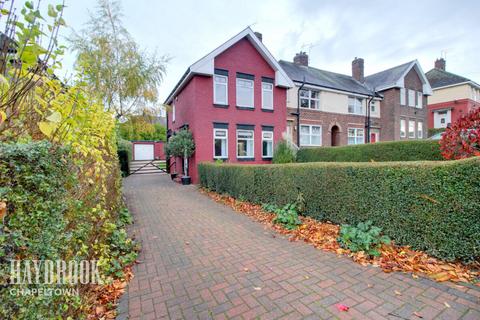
(432, 206)
(415, 150)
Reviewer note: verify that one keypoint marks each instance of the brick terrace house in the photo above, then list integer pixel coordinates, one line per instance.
(453, 96)
(333, 107)
(234, 102)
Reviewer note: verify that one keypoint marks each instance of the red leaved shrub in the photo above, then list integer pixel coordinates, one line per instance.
(462, 138)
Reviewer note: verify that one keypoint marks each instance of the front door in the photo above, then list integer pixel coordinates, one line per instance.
(335, 136)
(373, 137)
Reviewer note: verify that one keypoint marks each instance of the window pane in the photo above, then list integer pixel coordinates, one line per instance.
(314, 104)
(250, 148)
(351, 140)
(267, 86)
(244, 93)
(245, 134)
(267, 99)
(304, 93)
(304, 103)
(314, 94)
(267, 148)
(220, 133)
(221, 148)
(304, 139)
(315, 130)
(315, 140)
(268, 135)
(242, 148)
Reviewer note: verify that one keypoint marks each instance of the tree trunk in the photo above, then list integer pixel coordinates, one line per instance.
(185, 163)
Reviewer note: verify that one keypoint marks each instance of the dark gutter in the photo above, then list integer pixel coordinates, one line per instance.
(368, 119)
(297, 114)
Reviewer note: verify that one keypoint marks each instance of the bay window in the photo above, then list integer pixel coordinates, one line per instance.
(356, 136)
(310, 135)
(245, 144)
(220, 143)
(355, 105)
(310, 99)
(267, 144)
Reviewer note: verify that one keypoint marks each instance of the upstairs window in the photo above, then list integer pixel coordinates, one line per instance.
(310, 99)
(403, 97)
(244, 143)
(356, 136)
(419, 100)
(411, 98)
(310, 135)
(220, 89)
(267, 144)
(173, 112)
(220, 143)
(267, 95)
(355, 105)
(403, 128)
(245, 91)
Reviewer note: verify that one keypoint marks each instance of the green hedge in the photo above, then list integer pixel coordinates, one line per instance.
(432, 206)
(415, 150)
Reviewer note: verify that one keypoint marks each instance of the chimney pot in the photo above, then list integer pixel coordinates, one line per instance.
(358, 69)
(301, 58)
(259, 36)
(440, 64)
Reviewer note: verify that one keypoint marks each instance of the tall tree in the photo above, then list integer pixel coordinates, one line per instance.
(113, 65)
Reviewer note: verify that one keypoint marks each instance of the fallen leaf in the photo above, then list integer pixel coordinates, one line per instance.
(187, 243)
(257, 288)
(416, 314)
(370, 285)
(398, 293)
(414, 276)
(446, 304)
(307, 277)
(342, 307)
(246, 269)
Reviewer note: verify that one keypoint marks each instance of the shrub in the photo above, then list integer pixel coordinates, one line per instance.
(364, 237)
(182, 145)
(462, 139)
(415, 150)
(434, 131)
(286, 216)
(432, 206)
(283, 153)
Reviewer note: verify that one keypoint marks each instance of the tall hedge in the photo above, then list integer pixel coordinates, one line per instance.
(415, 150)
(432, 206)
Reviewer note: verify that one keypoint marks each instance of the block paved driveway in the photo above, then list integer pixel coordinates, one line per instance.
(194, 255)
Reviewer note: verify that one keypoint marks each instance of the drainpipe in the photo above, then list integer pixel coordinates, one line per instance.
(297, 114)
(368, 120)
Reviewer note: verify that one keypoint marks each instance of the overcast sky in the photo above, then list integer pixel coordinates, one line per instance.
(384, 33)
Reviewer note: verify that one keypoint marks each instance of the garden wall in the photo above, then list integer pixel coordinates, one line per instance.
(432, 206)
(416, 150)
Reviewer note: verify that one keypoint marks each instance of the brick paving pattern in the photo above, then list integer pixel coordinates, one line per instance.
(201, 260)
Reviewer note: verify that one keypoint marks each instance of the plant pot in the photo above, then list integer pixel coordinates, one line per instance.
(186, 180)
(173, 175)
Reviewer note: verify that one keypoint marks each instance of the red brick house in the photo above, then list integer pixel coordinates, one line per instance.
(453, 96)
(233, 100)
(331, 109)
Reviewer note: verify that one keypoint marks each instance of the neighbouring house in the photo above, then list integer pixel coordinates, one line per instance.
(332, 109)
(453, 96)
(234, 102)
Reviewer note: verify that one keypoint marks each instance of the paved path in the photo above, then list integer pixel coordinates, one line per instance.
(195, 252)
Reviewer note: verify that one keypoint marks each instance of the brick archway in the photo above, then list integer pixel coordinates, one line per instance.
(335, 129)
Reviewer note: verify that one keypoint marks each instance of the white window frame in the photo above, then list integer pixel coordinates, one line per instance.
(411, 98)
(268, 91)
(411, 125)
(420, 129)
(253, 93)
(403, 128)
(221, 138)
(355, 135)
(403, 97)
(173, 112)
(268, 140)
(310, 130)
(249, 139)
(310, 99)
(419, 104)
(357, 105)
(215, 101)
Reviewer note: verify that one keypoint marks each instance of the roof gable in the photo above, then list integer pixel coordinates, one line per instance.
(205, 66)
(395, 77)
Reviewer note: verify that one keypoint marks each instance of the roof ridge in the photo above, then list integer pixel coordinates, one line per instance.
(323, 70)
(450, 73)
(400, 65)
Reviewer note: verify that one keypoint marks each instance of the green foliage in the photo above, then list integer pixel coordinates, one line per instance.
(363, 237)
(434, 131)
(432, 206)
(283, 153)
(287, 216)
(142, 128)
(181, 144)
(112, 64)
(415, 150)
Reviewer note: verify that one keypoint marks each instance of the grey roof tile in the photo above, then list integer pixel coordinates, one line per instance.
(387, 77)
(440, 78)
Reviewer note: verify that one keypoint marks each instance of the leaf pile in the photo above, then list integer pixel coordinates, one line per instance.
(107, 296)
(323, 235)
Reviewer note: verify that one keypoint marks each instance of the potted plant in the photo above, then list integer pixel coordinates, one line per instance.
(181, 145)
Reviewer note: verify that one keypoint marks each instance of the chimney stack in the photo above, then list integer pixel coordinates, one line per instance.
(259, 36)
(358, 69)
(440, 64)
(301, 58)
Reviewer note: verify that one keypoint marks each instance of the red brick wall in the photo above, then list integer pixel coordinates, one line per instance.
(194, 106)
(459, 108)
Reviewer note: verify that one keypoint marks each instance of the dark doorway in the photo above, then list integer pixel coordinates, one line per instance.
(335, 136)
